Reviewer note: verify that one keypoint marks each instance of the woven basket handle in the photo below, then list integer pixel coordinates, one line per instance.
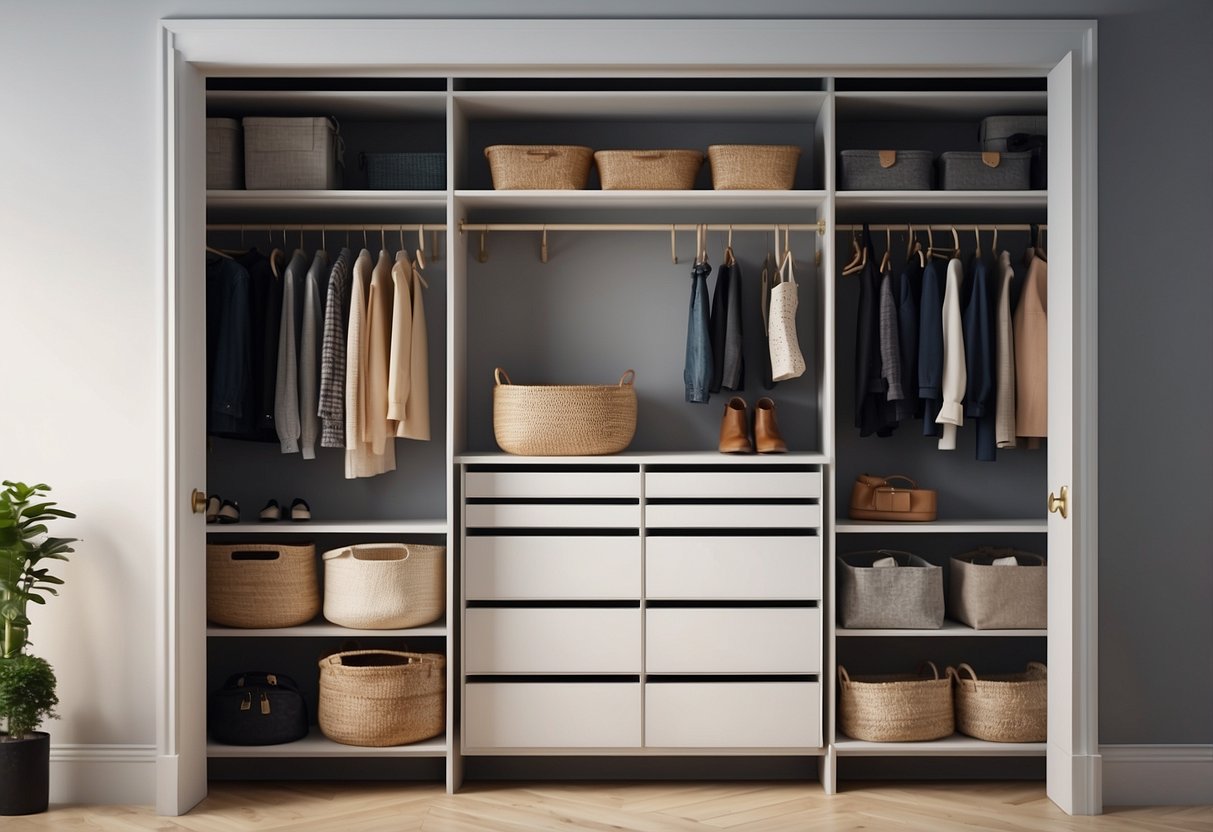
(546, 154)
(1044, 671)
(255, 554)
(968, 669)
(651, 154)
(902, 477)
(843, 677)
(413, 658)
(499, 373)
(628, 378)
(932, 665)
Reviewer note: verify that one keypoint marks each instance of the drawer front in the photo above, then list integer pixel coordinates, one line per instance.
(717, 516)
(524, 640)
(551, 715)
(732, 715)
(574, 568)
(730, 484)
(733, 567)
(730, 640)
(552, 484)
(551, 515)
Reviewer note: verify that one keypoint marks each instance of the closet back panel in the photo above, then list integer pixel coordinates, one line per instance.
(606, 302)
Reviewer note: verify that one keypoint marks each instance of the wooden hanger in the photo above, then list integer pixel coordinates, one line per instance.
(888, 247)
(729, 259)
(955, 244)
(915, 247)
(938, 254)
(859, 258)
(213, 250)
(977, 236)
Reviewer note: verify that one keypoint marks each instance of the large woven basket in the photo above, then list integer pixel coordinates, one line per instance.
(561, 167)
(900, 708)
(564, 419)
(642, 170)
(753, 166)
(379, 586)
(261, 584)
(382, 697)
(1009, 708)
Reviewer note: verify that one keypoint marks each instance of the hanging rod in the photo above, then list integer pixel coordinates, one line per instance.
(613, 226)
(902, 227)
(294, 226)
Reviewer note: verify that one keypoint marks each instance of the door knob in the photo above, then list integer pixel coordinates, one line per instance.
(1060, 505)
(198, 501)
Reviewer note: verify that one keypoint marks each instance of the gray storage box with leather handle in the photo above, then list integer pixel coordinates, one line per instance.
(885, 170)
(962, 170)
(906, 596)
(988, 594)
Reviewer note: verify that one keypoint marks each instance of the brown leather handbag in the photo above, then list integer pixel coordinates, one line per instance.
(876, 498)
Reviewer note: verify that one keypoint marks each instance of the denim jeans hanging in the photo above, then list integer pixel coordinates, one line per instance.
(697, 374)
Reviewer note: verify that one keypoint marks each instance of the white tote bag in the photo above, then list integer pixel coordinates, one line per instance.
(786, 359)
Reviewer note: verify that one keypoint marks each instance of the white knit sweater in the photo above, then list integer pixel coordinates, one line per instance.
(951, 414)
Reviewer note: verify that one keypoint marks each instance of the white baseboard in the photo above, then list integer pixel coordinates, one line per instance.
(103, 774)
(1157, 775)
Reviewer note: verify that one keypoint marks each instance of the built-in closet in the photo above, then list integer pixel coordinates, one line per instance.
(669, 602)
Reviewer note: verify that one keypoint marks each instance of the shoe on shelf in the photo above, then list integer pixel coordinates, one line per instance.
(766, 430)
(300, 510)
(734, 428)
(213, 504)
(272, 512)
(229, 512)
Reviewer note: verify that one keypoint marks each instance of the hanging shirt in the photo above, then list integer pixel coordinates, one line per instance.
(229, 346)
(331, 406)
(377, 430)
(930, 348)
(286, 388)
(890, 348)
(399, 360)
(980, 385)
(697, 371)
(416, 424)
(733, 374)
(718, 324)
(873, 411)
(1004, 356)
(951, 412)
(309, 355)
(906, 294)
(1032, 353)
(360, 459)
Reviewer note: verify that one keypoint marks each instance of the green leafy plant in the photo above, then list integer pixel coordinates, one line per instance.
(27, 694)
(26, 549)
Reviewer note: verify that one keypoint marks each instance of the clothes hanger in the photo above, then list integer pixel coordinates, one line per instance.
(858, 261)
(729, 259)
(543, 245)
(420, 257)
(888, 247)
(276, 254)
(977, 236)
(955, 244)
(223, 254)
(673, 246)
(915, 247)
(994, 244)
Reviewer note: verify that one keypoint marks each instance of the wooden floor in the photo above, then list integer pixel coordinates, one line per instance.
(651, 807)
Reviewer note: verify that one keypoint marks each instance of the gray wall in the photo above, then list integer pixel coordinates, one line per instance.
(81, 93)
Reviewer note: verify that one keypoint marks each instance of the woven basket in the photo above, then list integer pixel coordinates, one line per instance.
(896, 708)
(382, 697)
(379, 586)
(261, 584)
(769, 167)
(564, 419)
(559, 167)
(648, 170)
(1009, 708)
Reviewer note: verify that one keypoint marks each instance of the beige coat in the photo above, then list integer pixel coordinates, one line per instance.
(377, 430)
(399, 363)
(1031, 327)
(360, 460)
(416, 424)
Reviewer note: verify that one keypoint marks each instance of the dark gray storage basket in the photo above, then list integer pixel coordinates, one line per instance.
(988, 597)
(291, 153)
(962, 170)
(908, 596)
(1020, 133)
(224, 154)
(885, 170)
(404, 171)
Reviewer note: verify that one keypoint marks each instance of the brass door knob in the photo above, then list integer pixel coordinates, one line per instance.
(198, 501)
(1060, 505)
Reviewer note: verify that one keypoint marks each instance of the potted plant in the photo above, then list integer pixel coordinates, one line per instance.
(27, 683)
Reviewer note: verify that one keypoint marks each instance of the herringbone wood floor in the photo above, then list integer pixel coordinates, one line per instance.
(648, 807)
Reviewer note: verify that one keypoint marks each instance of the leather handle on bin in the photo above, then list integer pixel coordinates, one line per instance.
(888, 158)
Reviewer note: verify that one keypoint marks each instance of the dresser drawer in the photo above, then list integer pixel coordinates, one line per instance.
(551, 515)
(733, 568)
(732, 715)
(732, 516)
(552, 484)
(733, 640)
(553, 568)
(528, 640)
(732, 484)
(551, 715)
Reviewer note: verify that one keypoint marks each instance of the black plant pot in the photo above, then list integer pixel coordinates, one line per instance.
(25, 767)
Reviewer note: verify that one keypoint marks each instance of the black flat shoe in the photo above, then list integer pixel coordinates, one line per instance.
(301, 512)
(272, 512)
(229, 512)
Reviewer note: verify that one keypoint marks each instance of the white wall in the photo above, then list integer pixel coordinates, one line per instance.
(80, 201)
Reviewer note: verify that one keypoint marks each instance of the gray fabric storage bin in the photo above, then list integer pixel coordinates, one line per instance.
(961, 170)
(885, 170)
(291, 153)
(224, 154)
(988, 597)
(404, 171)
(996, 129)
(908, 596)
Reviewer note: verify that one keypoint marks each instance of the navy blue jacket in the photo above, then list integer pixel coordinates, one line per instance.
(930, 347)
(977, 321)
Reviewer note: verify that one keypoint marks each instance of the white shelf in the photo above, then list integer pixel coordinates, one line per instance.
(362, 105)
(647, 458)
(321, 629)
(316, 744)
(643, 200)
(950, 629)
(956, 745)
(647, 105)
(873, 105)
(334, 201)
(285, 527)
(944, 527)
(941, 199)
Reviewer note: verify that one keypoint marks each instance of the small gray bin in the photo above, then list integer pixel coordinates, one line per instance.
(995, 130)
(885, 170)
(961, 170)
(1003, 597)
(224, 154)
(908, 596)
(291, 153)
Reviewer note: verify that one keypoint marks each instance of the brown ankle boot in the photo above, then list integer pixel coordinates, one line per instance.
(766, 429)
(734, 428)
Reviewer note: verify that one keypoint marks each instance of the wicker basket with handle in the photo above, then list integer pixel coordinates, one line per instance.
(261, 584)
(564, 419)
(770, 167)
(642, 170)
(561, 167)
(379, 586)
(903, 708)
(1008, 708)
(382, 697)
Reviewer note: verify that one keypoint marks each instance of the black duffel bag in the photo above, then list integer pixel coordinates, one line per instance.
(257, 708)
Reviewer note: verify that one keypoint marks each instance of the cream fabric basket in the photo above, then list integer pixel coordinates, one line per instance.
(385, 586)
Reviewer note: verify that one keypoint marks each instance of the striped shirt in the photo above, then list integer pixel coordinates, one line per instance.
(332, 355)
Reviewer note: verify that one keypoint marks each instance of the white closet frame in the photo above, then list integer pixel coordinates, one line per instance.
(194, 49)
